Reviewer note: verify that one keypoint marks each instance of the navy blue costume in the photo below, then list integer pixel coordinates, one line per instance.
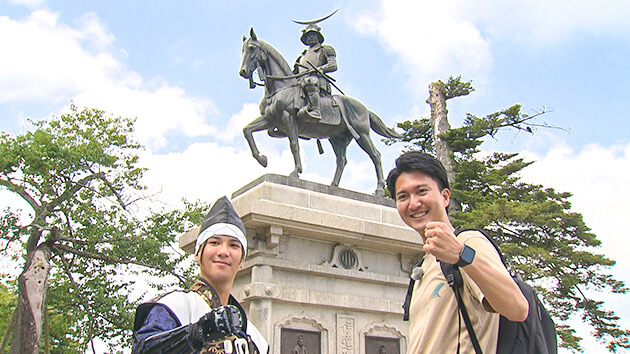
(169, 324)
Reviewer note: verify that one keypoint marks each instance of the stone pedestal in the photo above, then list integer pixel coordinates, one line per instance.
(325, 264)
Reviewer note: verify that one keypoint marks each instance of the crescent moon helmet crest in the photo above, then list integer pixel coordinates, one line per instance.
(311, 26)
(315, 21)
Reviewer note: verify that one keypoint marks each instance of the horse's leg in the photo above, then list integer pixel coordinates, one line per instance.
(256, 125)
(292, 133)
(367, 145)
(359, 118)
(339, 145)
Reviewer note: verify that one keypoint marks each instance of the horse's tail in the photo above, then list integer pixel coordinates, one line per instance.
(380, 128)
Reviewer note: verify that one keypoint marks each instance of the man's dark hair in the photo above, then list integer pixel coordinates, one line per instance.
(420, 161)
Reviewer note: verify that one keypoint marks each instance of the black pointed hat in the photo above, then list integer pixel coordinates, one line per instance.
(222, 219)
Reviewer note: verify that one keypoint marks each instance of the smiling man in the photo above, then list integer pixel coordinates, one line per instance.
(205, 318)
(420, 187)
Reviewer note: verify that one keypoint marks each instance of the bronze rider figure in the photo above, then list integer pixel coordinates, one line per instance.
(314, 62)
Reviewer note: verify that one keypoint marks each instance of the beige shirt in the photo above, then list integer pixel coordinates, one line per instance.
(433, 316)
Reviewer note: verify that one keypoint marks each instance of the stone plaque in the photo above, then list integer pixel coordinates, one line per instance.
(297, 341)
(345, 334)
(382, 345)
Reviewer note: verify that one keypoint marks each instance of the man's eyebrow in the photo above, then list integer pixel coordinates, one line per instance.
(419, 185)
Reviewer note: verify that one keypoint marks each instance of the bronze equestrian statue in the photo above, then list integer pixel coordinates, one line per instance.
(341, 118)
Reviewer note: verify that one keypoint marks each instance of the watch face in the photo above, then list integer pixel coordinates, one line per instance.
(467, 255)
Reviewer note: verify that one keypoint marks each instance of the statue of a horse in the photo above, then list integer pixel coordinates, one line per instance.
(283, 99)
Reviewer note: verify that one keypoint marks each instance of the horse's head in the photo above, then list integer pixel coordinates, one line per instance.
(252, 55)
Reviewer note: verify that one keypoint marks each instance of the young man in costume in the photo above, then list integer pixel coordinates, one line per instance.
(420, 187)
(205, 318)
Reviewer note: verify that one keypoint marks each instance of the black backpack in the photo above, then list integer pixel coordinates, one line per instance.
(537, 334)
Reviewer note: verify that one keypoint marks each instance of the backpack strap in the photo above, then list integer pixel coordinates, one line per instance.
(412, 283)
(455, 281)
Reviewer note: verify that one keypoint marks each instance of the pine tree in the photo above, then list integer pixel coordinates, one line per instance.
(542, 239)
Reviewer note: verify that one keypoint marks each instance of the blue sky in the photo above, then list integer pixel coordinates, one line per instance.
(174, 66)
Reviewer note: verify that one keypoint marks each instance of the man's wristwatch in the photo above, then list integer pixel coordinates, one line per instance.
(466, 256)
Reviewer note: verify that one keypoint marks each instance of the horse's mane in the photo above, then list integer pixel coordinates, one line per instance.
(276, 56)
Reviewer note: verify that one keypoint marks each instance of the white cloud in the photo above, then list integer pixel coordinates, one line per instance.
(206, 171)
(45, 60)
(94, 32)
(432, 40)
(436, 39)
(360, 175)
(597, 177)
(234, 127)
(158, 110)
(537, 23)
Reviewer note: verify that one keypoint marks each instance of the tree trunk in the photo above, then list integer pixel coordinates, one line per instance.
(31, 299)
(439, 122)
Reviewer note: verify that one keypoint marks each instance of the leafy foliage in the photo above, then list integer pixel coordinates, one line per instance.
(7, 303)
(79, 174)
(542, 239)
(418, 133)
(455, 87)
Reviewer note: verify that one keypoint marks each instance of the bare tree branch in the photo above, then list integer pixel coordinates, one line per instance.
(144, 197)
(111, 260)
(86, 242)
(75, 188)
(21, 191)
(523, 123)
(114, 192)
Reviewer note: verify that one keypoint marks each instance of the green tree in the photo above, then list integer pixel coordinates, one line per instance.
(82, 246)
(7, 303)
(542, 239)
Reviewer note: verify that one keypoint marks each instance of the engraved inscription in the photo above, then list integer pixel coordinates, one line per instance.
(345, 335)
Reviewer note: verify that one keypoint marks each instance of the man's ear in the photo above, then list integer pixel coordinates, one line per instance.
(242, 265)
(197, 258)
(446, 195)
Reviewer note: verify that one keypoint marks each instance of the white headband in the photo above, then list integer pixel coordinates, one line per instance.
(222, 229)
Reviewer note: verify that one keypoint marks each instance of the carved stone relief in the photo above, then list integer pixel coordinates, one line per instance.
(346, 257)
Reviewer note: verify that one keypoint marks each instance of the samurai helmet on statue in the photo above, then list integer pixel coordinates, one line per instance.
(312, 27)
